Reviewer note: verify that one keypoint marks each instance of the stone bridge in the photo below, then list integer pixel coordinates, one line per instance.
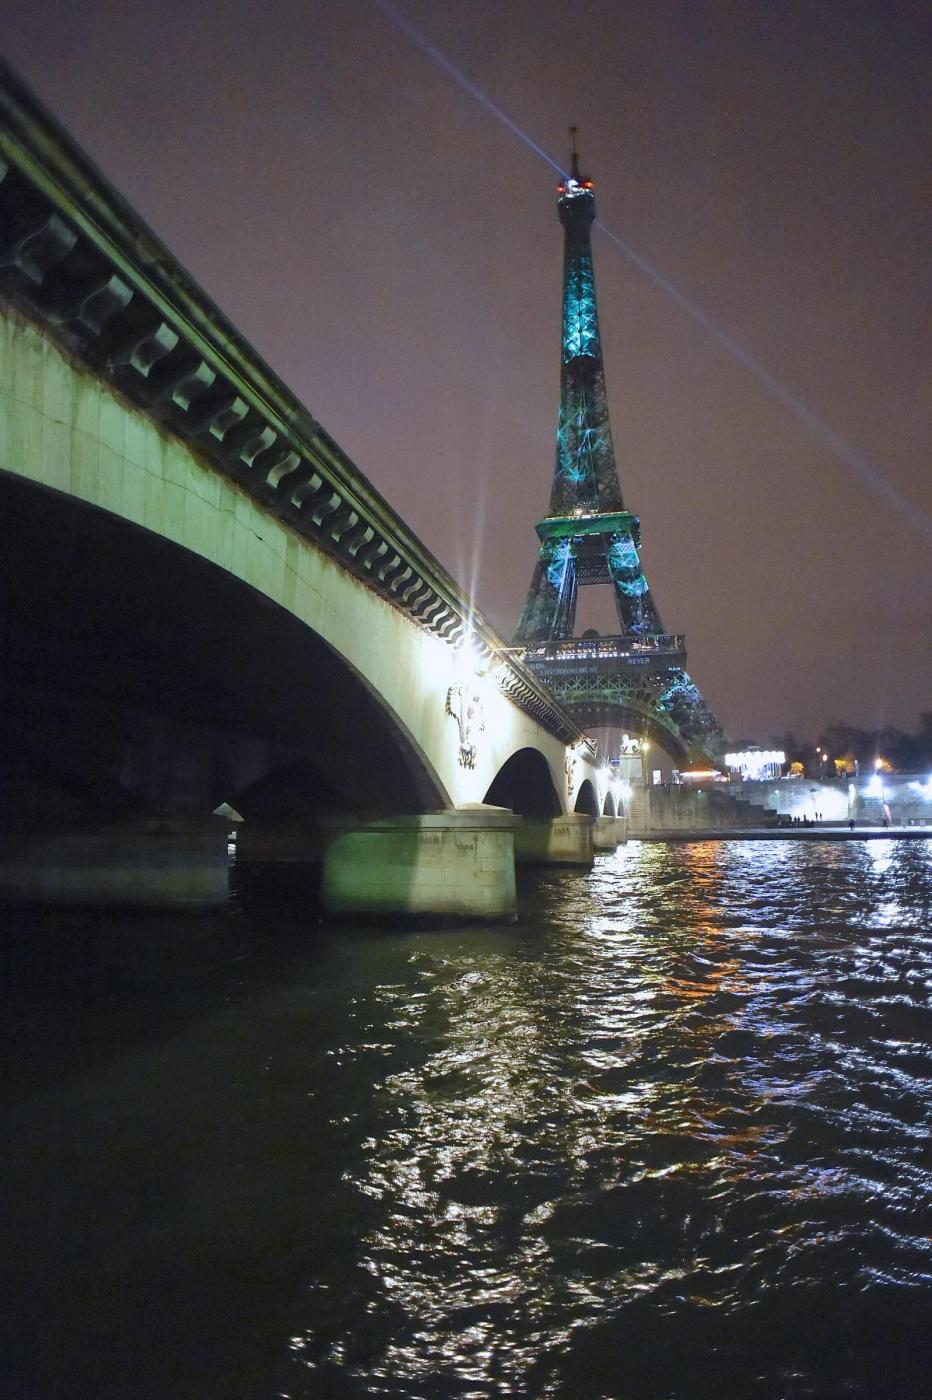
(205, 603)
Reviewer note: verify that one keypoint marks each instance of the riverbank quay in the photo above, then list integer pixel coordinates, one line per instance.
(789, 833)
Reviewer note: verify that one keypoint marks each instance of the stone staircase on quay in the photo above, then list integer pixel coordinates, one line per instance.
(654, 810)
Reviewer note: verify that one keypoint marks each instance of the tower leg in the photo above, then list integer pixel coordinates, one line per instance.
(550, 609)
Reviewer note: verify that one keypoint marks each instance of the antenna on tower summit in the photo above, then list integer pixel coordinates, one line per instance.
(574, 169)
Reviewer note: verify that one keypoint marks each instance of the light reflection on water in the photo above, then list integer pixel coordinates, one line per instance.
(666, 1138)
(660, 1112)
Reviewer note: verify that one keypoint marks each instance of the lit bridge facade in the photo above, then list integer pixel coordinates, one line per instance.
(206, 604)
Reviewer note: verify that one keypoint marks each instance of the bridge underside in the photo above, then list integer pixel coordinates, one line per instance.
(137, 675)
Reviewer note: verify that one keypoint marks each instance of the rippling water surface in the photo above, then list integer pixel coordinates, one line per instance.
(666, 1139)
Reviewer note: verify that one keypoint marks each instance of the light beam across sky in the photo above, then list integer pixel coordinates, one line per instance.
(868, 472)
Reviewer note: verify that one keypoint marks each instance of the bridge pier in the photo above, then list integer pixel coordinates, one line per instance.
(158, 862)
(565, 840)
(454, 864)
(608, 832)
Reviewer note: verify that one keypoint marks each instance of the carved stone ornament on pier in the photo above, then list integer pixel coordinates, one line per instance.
(463, 705)
(570, 765)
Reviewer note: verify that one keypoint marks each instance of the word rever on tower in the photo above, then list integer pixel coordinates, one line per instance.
(637, 679)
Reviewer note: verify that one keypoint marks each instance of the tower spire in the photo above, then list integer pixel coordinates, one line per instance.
(588, 537)
(574, 158)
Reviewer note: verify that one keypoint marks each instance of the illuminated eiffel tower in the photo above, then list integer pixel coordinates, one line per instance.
(637, 679)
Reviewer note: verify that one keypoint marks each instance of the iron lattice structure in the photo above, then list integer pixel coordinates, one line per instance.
(637, 679)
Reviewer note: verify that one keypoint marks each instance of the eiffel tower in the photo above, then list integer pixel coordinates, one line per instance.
(635, 680)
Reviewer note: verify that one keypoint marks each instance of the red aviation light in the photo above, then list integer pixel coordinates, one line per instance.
(588, 185)
(561, 189)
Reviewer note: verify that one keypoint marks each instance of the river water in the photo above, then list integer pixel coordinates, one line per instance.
(667, 1138)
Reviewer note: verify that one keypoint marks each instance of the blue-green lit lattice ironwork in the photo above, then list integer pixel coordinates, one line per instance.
(584, 551)
(637, 611)
(585, 473)
(550, 610)
(589, 538)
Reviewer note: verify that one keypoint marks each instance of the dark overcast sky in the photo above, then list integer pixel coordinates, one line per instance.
(393, 250)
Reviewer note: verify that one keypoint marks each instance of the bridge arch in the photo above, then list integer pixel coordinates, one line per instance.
(609, 808)
(525, 784)
(150, 671)
(586, 800)
(397, 635)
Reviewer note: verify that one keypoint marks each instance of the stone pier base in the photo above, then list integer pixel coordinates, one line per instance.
(455, 864)
(149, 864)
(608, 832)
(554, 841)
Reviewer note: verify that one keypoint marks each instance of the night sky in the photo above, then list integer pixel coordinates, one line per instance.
(392, 248)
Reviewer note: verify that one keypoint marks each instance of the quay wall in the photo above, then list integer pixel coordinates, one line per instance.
(903, 798)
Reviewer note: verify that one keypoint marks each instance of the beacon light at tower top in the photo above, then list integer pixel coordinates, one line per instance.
(573, 187)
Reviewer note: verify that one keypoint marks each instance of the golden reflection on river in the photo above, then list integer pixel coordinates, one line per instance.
(629, 1109)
